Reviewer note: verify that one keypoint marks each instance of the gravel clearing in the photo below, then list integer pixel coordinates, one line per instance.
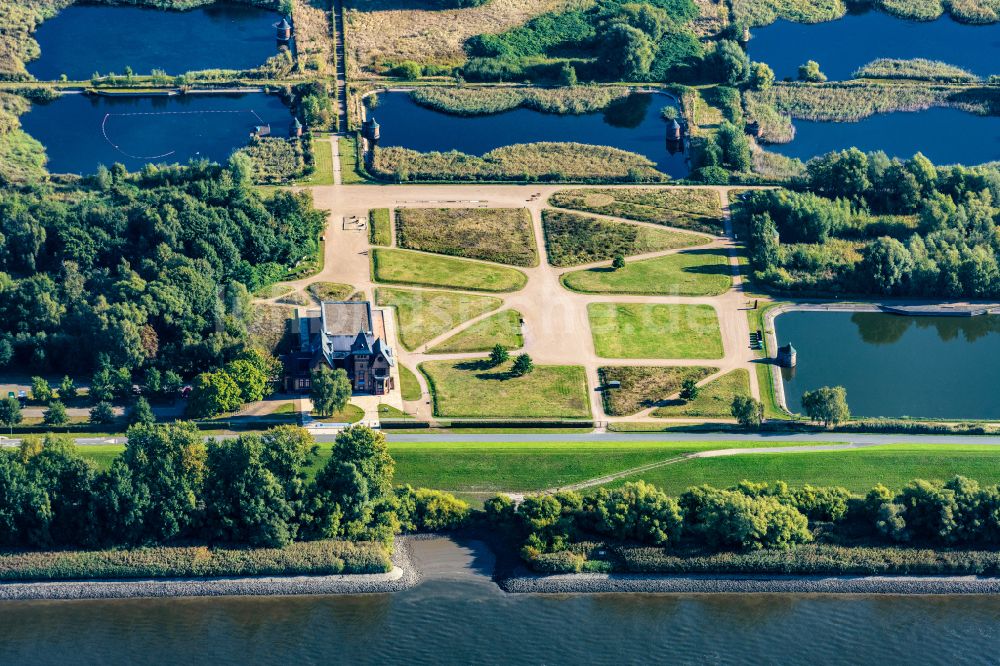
(763, 584)
(402, 576)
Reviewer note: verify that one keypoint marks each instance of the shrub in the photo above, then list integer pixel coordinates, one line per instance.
(636, 512)
(426, 510)
(558, 563)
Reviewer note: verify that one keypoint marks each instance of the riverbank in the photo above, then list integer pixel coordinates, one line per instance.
(748, 584)
(402, 576)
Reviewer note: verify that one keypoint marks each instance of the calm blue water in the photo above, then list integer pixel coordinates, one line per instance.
(842, 46)
(81, 132)
(83, 39)
(634, 124)
(946, 136)
(945, 367)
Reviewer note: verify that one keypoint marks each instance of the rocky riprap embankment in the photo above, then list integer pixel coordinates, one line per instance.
(735, 584)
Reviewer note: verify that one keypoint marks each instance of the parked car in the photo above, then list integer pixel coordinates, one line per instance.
(22, 397)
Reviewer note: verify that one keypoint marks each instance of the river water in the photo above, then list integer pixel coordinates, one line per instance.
(458, 616)
(84, 39)
(633, 124)
(842, 46)
(944, 367)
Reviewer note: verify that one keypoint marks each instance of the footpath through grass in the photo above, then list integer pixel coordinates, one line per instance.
(714, 399)
(416, 268)
(687, 273)
(424, 315)
(637, 330)
(857, 469)
(502, 328)
(695, 209)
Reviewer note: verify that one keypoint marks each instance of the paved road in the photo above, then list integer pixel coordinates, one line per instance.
(827, 441)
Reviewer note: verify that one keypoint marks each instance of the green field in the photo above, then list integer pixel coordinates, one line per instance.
(409, 385)
(379, 227)
(424, 315)
(502, 328)
(698, 210)
(470, 389)
(639, 330)
(687, 273)
(501, 235)
(857, 470)
(572, 239)
(349, 174)
(645, 387)
(322, 164)
(416, 268)
(714, 399)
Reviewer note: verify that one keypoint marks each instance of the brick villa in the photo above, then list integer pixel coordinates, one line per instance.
(341, 334)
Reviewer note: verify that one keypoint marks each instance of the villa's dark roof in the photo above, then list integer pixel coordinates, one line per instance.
(284, 24)
(346, 317)
(362, 345)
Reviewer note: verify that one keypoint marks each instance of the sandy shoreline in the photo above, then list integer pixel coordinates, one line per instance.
(403, 575)
(749, 584)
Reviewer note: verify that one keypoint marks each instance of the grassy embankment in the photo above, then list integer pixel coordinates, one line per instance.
(917, 69)
(636, 330)
(470, 467)
(425, 315)
(694, 209)
(687, 273)
(380, 227)
(645, 387)
(22, 158)
(550, 162)
(408, 267)
(472, 389)
(483, 101)
(572, 239)
(502, 328)
(500, 235)
(304, 558)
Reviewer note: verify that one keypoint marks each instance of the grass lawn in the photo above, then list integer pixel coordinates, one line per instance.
(469, 389)
(424, 315)
(687, 273)
(405, 267)
(572, 239)
(322, 163)
(379, 227)
(857, 470)
(390, 412)
(273, 291)
(349, 174)
(331, 291)
(640, 330)
(501, 235)
(409, 385)
(502, 328)
(643, 388)
(350, 414)
(698, 210)
(714, 399)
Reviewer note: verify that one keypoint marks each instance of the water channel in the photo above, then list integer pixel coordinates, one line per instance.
(842, 46)
(458, 616)
(80, 132)
(891, 365)
(633, 124)
(84, 39)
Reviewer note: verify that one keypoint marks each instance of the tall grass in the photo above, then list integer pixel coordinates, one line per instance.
(916, 69)
(482, 101)
(299, 558)
(552, 162)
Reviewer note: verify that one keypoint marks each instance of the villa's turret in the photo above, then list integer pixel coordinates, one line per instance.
(283, 30)
(787, 356)
(295, 129)
(370, 129)
(674, 130)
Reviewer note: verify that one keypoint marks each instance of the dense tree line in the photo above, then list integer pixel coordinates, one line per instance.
(747, 517)
(865, 223)
(168, 486)
(148, 270)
